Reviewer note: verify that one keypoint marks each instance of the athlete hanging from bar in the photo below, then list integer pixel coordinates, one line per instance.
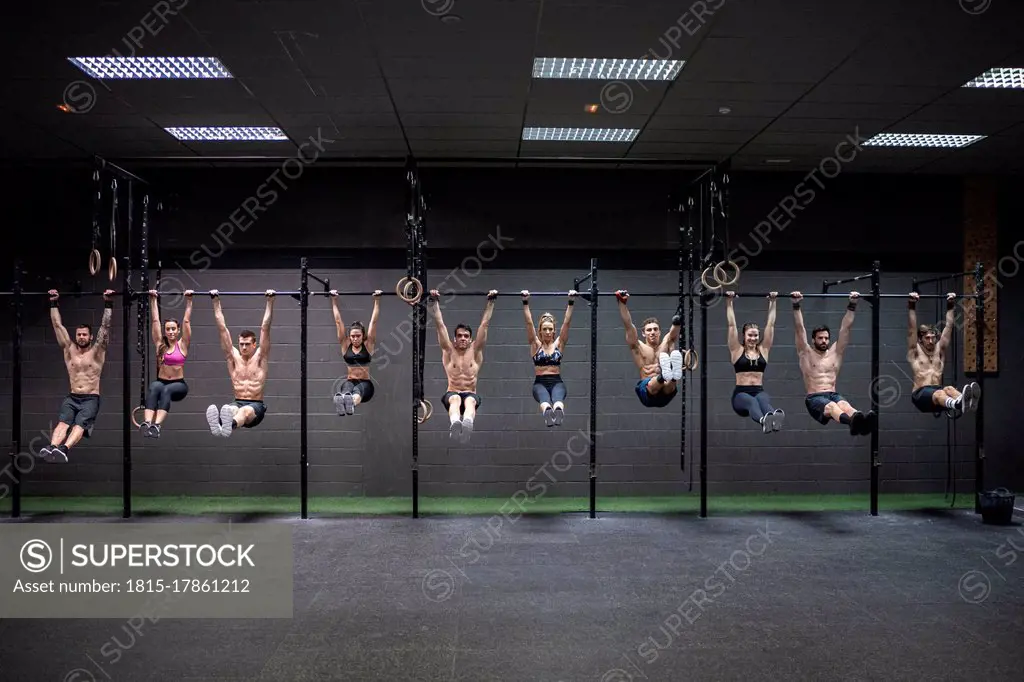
(356, 348)
(749, 357)
(248, 366)
(462, 357)
(820, 365)
(171, 343)
(84, 357)
(659, 367)
(546, 349)
(926, 353)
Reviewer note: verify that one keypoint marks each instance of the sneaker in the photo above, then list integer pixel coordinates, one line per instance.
(777, 417)
(227, 419)
(455, 432)
(154, 431)
(339, 404)
(213, 419)
(766, 424)
(144, 429)
(667, 372)
(870, 422)
(59, 454)
(559, 416)
(676, 361)
(972, 395)
(549, 417)
(857, 424)
(350, 404)
(467, 429)
(44, 453)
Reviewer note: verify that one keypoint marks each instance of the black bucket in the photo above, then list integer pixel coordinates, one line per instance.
(997, 506)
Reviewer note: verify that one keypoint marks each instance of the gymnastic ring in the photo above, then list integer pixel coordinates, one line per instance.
(690, 360)
(135, 421)
(428, 410)
(408, 289)
(402, 290)
(112, 268)
(704, 280)
(95, 260)
(720, 273)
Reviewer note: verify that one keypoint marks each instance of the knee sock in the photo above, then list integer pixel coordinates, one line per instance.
(844, 418)
(951, 403)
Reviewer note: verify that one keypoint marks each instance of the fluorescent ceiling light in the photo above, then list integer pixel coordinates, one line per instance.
(151, 67)
(226, 134)
(998, 78)
(921, 140)
(581, 134)
(607, 69)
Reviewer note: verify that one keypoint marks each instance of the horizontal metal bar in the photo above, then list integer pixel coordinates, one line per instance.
(66, 294)
(352, 293)
(943, 278)
(231, 293)
(785, 295)
(928, 296)
(849, 279)
(117, 170)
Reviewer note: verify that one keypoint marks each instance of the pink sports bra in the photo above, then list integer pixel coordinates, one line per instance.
(174, 357)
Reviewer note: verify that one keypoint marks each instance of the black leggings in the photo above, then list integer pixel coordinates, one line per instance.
(549, 388)
(163, 392)
(751, 401)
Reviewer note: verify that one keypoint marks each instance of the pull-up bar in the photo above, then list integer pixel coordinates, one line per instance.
(68, 294)
(916, 282)
(781, 296)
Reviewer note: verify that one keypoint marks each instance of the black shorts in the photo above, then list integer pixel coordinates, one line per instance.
(80, 409)
(922, 399)
(816, 403)
(257, 406)
(462, 394)
(363, 387)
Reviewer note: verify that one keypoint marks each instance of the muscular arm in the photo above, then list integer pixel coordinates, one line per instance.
(268, 316)
(186, 325)
(222, 331)
(911, 329)
(442, 332)
(801, 332)
(531, 333)
(340, 325)
(62, 334)
(563, 335)
(845, 330)
(768, 338)
(627, 321)
(672, 338)
(103, 335)
(733, 336)
(371, 332)
(154, 322)
(947, 330)
(485, 321)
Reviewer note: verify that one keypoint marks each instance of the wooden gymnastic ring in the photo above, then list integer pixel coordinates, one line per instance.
(720, 273)
(95, 260)
(137, 423)
(428, 410)
(409, 289)
(402, 290)
(704, 280)
(690, 360)
(112, 268)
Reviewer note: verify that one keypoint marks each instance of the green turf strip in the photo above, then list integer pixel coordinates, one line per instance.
(476, 506)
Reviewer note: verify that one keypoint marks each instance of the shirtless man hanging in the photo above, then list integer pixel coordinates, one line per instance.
(926, 353)
(820, 366)
(462, 358)
(84, 360)
(247, 367)
(659, 361)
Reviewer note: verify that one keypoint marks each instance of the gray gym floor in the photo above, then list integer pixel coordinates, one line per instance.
(833, 596)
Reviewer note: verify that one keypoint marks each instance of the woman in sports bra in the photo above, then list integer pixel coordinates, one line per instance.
(171, 351)
(750, 359)
(548, 387)
(356, 348)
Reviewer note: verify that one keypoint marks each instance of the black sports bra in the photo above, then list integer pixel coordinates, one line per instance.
(360, 359)
(542, 359)
(745, 364)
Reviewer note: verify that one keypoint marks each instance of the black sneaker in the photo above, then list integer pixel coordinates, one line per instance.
(153, 431)
(559, 416)
(870, 423)
(144, 429)
(549, 417)
(857, 424)
(45, 453)
(59, 454)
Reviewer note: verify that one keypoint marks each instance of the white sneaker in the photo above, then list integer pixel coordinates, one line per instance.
(467, 429)
(676, 361)
(213, 419)
(972, 394)
(350, 405)
(666, 366)
(227, 419)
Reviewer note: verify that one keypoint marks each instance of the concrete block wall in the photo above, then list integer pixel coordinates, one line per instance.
(638, 450)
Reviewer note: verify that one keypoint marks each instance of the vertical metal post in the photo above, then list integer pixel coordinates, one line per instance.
(126, 389)
(16, 396)
(593, 387)
(304, 398)
(979, 360)
(682, 340)
(704, 403)
(876, 313)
